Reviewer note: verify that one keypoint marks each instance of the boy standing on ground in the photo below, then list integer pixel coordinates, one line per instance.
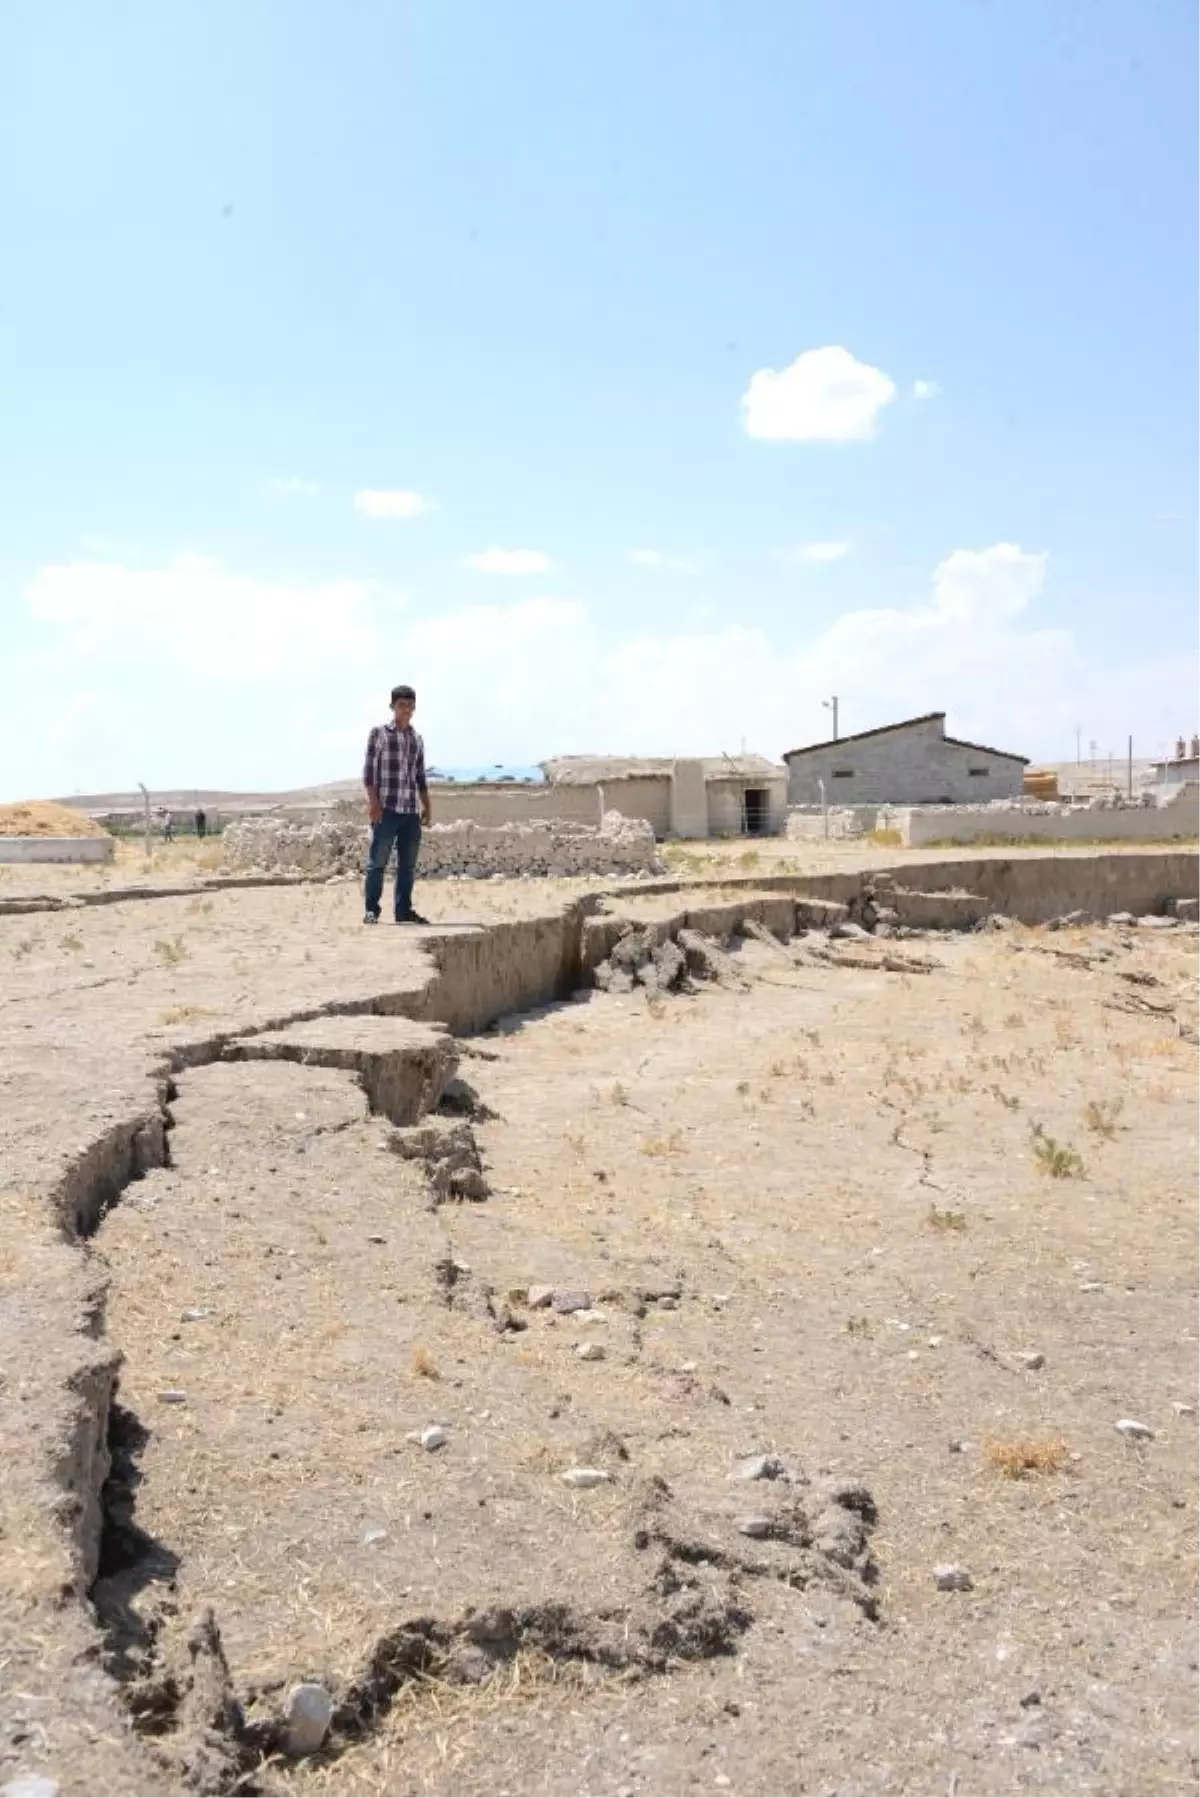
(397, 805)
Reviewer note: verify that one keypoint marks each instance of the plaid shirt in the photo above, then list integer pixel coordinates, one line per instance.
(395, 767)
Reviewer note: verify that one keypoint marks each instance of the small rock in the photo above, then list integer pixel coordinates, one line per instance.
(1182, 1410)
(583, 1478)
(309, 1714)
(194, 1316)
(173, 1396)
(30, 1785)
(376, 1238)
(370, 1537)
(1031, 1699)
(591, 1317)
(1120, 917)
(1032, 1360)
(590, 1351)
(1150, 922)
(1133, 1430)
(566, 1300)
(434, 1436)
(758, 1467)
(539, 1297)
(1090, 1286)
(949, 1576)
(668, 1302)
(757, 1527)
(959, 1445)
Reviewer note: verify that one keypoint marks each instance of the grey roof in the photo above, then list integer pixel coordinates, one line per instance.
(587, 770)
(881, 730)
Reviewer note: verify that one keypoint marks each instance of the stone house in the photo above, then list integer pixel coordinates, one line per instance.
(913, 762)
(703, 796)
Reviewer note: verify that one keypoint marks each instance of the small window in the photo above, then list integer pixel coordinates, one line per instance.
(975, 771)
(843, 774)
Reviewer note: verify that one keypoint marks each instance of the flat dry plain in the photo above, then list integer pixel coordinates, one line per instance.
(917, 1241)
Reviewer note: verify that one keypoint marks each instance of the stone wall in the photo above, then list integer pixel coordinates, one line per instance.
(337, 844)
(1177, 819)
(915, 766)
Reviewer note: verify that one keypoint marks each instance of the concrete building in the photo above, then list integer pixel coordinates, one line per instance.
(706, 796)
(910, 763)
(1179, 769)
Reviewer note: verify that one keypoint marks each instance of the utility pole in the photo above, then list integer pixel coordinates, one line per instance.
(831, 705)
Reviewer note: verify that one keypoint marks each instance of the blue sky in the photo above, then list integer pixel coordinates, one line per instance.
(522, 261)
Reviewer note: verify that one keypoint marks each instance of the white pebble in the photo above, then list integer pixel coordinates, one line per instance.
(309, 1714)
(370, 1537)
(1032, 1360)
(590, 1351)
(1182, 1410)
(195, 1315)
(1135, 1431)
(433, 1436)
(31, 1785)
(949, 1576)
(173, 1396)
(758, 1467)
(582, 1478)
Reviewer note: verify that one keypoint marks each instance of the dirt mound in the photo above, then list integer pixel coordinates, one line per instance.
(42, 818)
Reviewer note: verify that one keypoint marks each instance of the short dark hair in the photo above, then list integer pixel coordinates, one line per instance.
(403, 693)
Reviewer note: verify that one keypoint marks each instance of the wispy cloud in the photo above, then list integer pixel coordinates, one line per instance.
(824, 396)
(829, 550)
(508, 561)
(390, 502)
(925, 390)
(654, 558)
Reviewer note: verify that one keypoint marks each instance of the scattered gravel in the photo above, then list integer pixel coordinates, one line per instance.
(582, 1478)
(309, 1714)
(758, 1467)
(1135, 1431)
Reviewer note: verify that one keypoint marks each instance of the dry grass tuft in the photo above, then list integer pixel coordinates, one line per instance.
(1017, 1456)
(1101, 1115)
(1057, 1160)
(423, 1364)
(664, 1145)
(172, 952)
(946, 1222)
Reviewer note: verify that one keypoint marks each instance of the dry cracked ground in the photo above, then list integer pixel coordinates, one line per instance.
(727, 1314)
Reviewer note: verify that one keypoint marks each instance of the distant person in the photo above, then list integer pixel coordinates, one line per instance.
(201, 821)
(168, 828)
(397, 805)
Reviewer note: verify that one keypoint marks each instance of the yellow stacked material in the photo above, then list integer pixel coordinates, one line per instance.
(42, 818)
(1039, 785)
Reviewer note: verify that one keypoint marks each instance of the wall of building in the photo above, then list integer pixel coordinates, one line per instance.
(689, 800)
(505, 804)
(57, 849)
(916, 766)
(1178, 819)
(726, 815)
(641, 796)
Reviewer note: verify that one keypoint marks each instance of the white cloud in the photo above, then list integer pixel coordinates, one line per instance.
(196, 617)
(286, 486)
(654, 558)
(830, 551)
(375, 502)
(195, 673)
(925, 390)
(824, 396)
(975, 584)
(508, 561)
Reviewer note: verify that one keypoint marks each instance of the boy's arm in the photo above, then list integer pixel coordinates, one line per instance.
(370, 776)
(422, 784)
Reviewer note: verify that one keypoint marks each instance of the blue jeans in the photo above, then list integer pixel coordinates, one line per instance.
(404, 830)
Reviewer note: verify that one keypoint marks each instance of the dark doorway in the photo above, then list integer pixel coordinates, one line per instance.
(758, 811)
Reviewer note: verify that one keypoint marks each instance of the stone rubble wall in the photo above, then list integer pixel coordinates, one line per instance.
(1032, 820)
(807, 822)
(336, 843)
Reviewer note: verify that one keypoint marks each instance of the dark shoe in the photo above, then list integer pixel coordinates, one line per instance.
(372, 917)
(410, 917)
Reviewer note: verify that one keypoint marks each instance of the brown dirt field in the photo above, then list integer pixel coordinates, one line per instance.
(42, 818)
(817, 1219)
